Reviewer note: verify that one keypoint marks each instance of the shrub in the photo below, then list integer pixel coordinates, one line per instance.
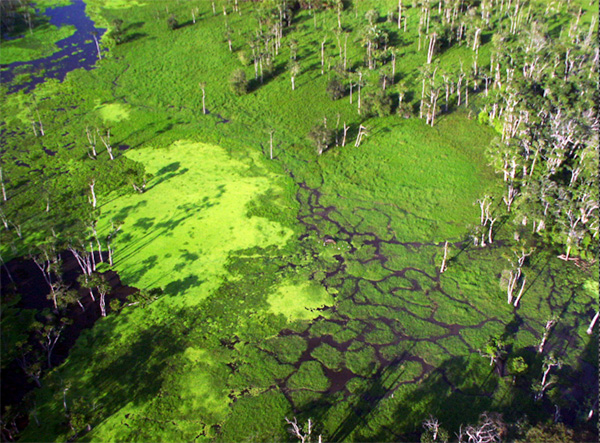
(172, 22)
(336, 89)
(243, 57)
(377, 104)
(238, 82)
(321, 136)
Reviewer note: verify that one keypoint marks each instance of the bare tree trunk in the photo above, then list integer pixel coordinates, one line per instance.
(102, 304)
(549, 325)
(92, 141)
(40, 122)
(520, 292)
(2, 185)
(91, 184)
(594, 320)
(97, 44)
(323, 55)
(106, 142)
(443, 266)
(399, 13)
(271, 143)
(361, 133)
(345, 132)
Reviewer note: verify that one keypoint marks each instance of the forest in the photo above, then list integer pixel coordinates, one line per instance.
(299, 220)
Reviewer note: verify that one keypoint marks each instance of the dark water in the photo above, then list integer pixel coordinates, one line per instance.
(76, 51)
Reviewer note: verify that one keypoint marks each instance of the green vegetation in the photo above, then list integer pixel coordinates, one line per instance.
(290, 238)
(34, 45)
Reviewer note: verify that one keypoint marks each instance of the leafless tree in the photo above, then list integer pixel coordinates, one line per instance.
(106, 142)
(443, 267)
(297, 431)
(593, 323)
(490, 429)
(203, 88)
(362, 132)
(91, 136)
(550, 361)
(549, 325)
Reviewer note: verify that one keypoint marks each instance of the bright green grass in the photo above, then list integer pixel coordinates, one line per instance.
(299, 301)
(214, 229)
(178, 234)
(113, 112)
(33, 46)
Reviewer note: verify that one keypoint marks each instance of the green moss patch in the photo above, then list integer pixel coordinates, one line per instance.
(300, 301)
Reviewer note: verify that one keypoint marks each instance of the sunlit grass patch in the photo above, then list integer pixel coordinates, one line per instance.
(300, 301)
(114, 112)
(178, 234)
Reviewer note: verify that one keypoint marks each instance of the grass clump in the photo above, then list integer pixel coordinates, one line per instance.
(310, 376)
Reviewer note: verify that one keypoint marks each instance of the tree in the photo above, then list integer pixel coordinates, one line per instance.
(550, 361)
(321, 136)
(517, 366)
(29, 361)
(336, 89)
(433, 431)
(295, 69)
(203, 88)
(172, 22)
(377, 103)
(494, 349)
(117, 31)
(98, 281)
(238, 82)
(95, 37)
(372, 16)
(49, 333)
(304, 436)
(490, 429)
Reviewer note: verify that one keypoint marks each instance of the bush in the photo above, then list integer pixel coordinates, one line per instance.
(172, 22)
(321, 136)
(336, 89)
(377, 104)
(243, 57)
(238, 82)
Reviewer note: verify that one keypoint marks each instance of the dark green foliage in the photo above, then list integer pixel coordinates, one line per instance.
(336, 89)
(238, 82)
(172, 22)
(117, 33)
(321, 136)
(378, 104)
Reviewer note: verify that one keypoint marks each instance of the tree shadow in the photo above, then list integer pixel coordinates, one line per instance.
(133, 374)
(133, 37)
(182, 285)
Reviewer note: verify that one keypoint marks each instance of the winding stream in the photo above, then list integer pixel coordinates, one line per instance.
(76, 51)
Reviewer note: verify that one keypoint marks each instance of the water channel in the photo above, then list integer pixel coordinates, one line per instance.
(77, 51)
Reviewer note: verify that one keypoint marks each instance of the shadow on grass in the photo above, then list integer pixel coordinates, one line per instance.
(132, 374)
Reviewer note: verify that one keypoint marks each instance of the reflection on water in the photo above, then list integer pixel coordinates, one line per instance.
(76, 51)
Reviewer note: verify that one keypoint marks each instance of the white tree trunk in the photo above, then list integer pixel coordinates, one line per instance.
(594, 320)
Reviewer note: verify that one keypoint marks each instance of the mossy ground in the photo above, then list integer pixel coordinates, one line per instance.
(236, 242)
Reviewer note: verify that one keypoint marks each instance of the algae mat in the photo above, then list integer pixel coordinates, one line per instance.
(179, 233)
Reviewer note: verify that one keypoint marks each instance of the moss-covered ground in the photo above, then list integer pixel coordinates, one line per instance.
(260, 317)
